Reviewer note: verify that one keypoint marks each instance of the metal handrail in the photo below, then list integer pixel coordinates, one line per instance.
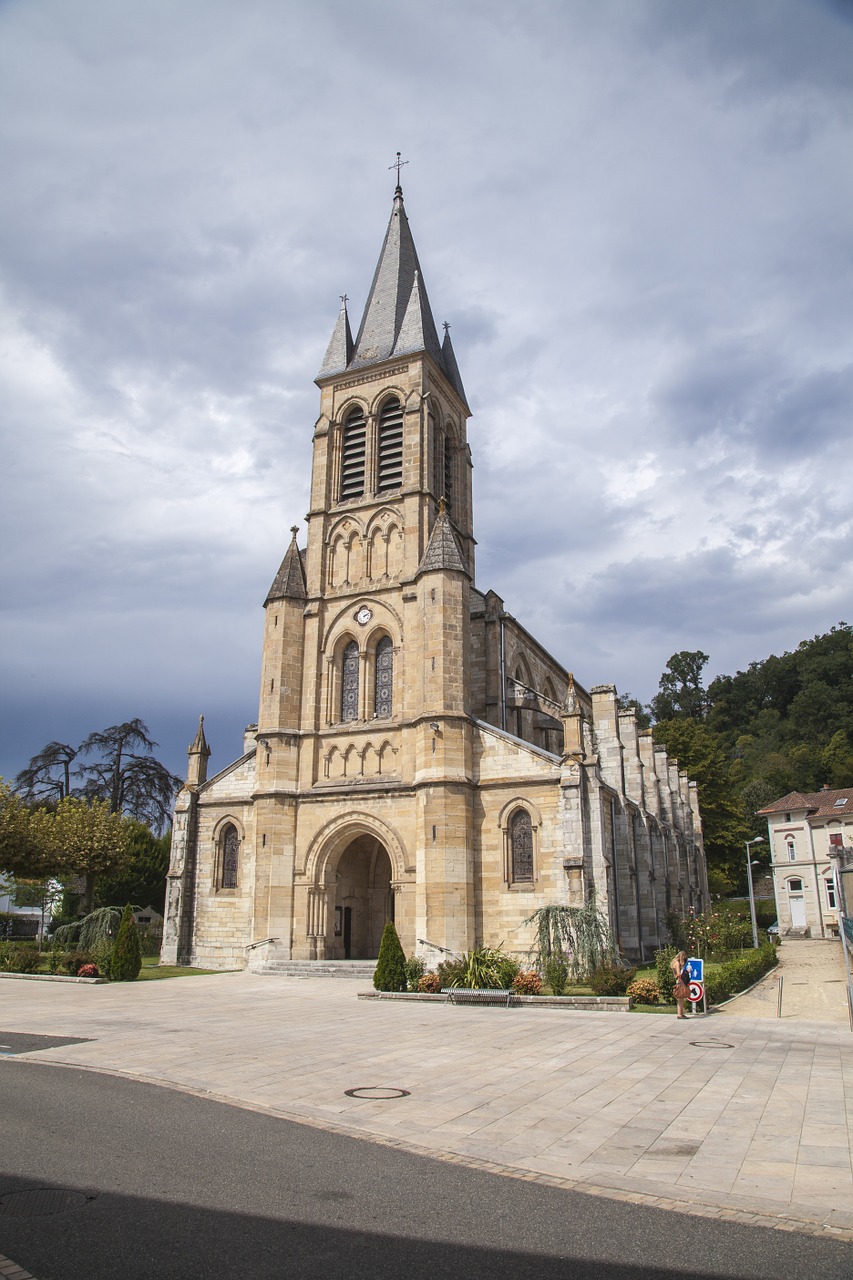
(250, 946)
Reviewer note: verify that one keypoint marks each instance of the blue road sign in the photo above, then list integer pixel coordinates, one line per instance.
(697, 969)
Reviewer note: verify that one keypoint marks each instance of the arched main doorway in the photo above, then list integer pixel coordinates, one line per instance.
(363, 899)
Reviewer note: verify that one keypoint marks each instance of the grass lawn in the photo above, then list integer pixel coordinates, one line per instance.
(152, 969)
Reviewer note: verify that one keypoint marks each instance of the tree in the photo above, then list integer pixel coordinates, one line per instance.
(48, 775)
(126, 959)
(142, 875)
(44, 893)
(17, 851)
(682, 693)
(699, 751)
(390, 972)
(121, 771)
(86, 838)
(626, 702)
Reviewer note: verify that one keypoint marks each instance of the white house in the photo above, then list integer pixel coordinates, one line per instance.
(805, 830)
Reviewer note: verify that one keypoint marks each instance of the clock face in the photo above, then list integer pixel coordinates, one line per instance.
(363, 616)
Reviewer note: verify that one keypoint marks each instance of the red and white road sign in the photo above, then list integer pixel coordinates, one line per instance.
(697, 991)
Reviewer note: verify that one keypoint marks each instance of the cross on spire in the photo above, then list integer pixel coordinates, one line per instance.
(398, 164)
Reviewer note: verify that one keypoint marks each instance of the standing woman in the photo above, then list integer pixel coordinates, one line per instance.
(680, 972)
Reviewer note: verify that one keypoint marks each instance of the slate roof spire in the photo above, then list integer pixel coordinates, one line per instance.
(339, 351)
(289, 582)
(442, 550)
(397, 318)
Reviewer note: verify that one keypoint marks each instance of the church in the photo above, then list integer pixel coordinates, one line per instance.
(418, 755)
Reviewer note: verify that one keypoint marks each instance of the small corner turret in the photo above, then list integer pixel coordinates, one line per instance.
(198, 753)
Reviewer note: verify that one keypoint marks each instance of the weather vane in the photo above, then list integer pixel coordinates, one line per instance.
(398, 164)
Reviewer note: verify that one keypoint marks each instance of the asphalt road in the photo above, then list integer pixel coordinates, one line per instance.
(171, 1185)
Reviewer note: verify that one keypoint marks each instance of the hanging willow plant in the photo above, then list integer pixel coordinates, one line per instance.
(581, 933)
(96, 927)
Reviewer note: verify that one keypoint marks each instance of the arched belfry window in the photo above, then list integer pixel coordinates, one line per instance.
(349, 682)
(448, 470)
(521, 847)
(229, 862)
(384, 678)
(352, 454)
(389, 465)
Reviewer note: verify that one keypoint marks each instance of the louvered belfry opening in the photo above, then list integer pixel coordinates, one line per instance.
(352, 455)
(448, 471)
(389, 468)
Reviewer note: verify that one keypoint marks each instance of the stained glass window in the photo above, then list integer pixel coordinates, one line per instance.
(349, 682)
(521, 843)
(384, 690)
(230, 854)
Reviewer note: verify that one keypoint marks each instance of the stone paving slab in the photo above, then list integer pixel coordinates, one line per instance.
(740, 1118)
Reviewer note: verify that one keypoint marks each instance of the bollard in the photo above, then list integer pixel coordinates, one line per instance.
(779, 1003)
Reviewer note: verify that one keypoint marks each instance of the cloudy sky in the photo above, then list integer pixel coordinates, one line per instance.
(636, 215)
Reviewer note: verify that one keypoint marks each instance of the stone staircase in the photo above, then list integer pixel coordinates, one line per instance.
(362, 969)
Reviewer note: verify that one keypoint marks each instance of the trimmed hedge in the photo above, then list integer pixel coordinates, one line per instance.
(390, 972)
(737, 975)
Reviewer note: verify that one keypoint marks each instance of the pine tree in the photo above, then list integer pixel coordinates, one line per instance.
(126, 957)
(390, 974)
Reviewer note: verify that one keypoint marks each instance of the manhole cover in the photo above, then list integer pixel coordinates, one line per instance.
(711, 1044)
(41, 1202)
(376, 1092)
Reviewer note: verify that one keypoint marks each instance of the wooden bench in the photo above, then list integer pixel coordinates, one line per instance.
(478, 995)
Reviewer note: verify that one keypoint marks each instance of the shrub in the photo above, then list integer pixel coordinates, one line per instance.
(126, 957)
(663, 960)
(611, 980)
(88, 971)
(415, 969)
(737, 975)
(430, 982)
(556, 973)
(70, 962)
(390, 972)
(102, 956)
(527, 983)
(645, 991)
(24, 960)
(450, 973)
(488, 968)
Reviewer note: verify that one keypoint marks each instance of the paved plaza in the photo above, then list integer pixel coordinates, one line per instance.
(741, 1117)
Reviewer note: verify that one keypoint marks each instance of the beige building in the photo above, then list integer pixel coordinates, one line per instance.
(809, 832)
(418, 754)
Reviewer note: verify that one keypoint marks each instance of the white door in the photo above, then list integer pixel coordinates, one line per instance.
(798, 911)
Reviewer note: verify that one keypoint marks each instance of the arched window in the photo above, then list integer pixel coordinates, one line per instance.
(389, 453)
(448, 471)
(383, 693)
(230, 856)
(521, 847)
(792, 851)
(352, 454)
(349, 682)
(795, 886)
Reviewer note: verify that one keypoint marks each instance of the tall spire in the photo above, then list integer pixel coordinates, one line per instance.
(397, 274)
(397, 318)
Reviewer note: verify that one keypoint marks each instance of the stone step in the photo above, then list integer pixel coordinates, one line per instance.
(363, 969)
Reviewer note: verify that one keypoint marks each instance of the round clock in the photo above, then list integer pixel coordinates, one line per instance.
(363, 616)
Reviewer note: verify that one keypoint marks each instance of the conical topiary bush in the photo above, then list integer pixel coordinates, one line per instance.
(390, 973)
(126, 959)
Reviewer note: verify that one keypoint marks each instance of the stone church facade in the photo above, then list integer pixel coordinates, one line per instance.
(418, 755)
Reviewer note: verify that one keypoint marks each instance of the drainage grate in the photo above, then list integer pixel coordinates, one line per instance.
(711, 1044)
(378, 1093)
(41, 1202)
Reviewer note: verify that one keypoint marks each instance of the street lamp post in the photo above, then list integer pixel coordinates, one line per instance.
(757, 840)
